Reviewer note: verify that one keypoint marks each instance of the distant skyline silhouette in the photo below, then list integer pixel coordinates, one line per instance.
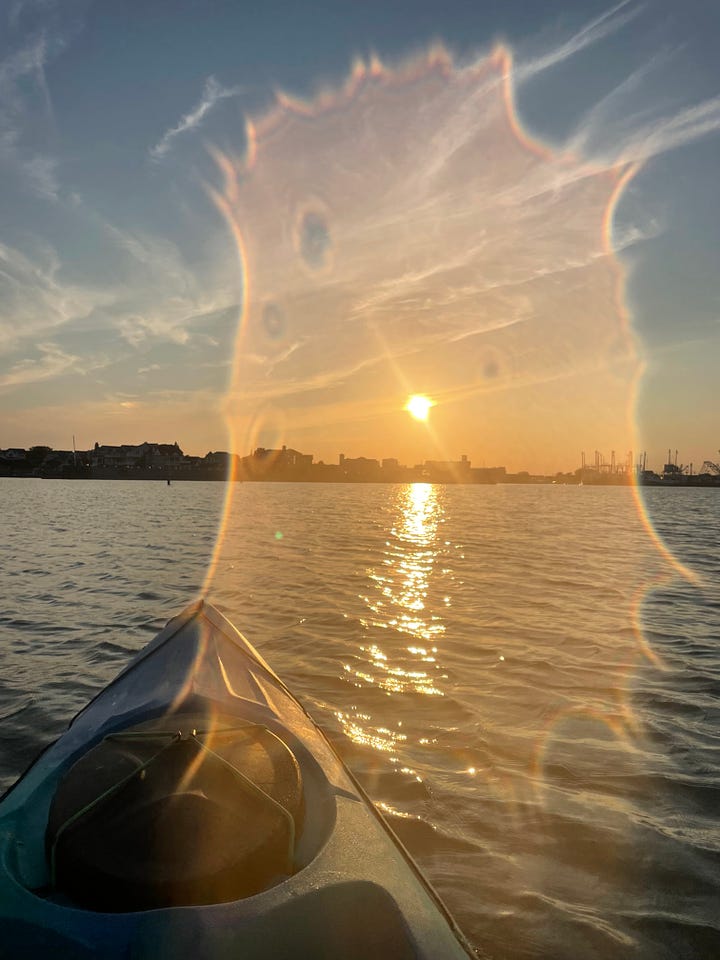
(151, 460)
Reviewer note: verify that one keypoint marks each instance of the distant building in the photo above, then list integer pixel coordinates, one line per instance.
(270, 464)
(126, 456)
(14, 462)
(488, 474)
(359, 467)
(57, 461)
(448, 471)
(286, 457)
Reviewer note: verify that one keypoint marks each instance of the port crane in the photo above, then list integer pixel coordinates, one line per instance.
(710, 467)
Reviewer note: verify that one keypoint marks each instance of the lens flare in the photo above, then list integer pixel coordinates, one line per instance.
(406, 229)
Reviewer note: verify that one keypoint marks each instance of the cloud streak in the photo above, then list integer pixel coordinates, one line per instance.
(668, 133)
(35, 300)
(212, 94)
(25, 96)
(611, 131)
(52, 362)
(598, 29)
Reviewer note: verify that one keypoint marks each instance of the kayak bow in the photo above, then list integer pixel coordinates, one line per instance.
(193, 806)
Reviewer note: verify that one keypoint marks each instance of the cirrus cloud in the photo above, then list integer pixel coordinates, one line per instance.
(213, 93)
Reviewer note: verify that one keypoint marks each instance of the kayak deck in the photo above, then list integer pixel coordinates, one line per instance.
(194, 801)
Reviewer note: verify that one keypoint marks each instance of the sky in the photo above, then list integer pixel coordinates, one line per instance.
(234, 225)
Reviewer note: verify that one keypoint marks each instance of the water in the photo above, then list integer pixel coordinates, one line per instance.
(525, 686)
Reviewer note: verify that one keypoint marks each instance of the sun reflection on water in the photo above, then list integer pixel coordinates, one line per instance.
(401, 595)
(405, 660)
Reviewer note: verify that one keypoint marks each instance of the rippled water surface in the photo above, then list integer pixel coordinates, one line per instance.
(525, 686)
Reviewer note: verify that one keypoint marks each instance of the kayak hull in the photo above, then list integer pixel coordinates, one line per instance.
(350, 890)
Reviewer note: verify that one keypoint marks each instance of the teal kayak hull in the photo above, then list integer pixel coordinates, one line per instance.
(349, 890)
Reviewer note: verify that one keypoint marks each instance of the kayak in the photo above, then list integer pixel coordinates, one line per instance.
(193, 808)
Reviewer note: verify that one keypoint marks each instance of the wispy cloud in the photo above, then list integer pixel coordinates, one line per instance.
(51, 362)
(213, 93)
(19, 9)
(593, 32)
(612, 131)
(41, 174)
(24, 100)
(158, 256)
(169, 301)
(611, 115)
(676, 130)
(28, 60)
(36, 300)
(157, 299)
(157, 324)
(628, 236)
(319, 381)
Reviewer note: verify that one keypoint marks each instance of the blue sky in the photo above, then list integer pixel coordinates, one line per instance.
(120, 283)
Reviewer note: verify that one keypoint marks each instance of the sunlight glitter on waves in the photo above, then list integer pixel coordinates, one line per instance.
(419, 629)
(404, 587)
(380, 738)
(416, 628)
(395, 679)
(375, 653)
(390, 811)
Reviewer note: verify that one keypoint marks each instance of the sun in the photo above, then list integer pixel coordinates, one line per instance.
(419, 406)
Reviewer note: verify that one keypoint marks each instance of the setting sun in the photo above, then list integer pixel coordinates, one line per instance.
(419, 407)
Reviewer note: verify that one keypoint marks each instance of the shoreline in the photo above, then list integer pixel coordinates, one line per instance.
(170, 477)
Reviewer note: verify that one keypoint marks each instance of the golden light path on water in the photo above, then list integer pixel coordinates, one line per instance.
(402, 586)
(404, 234)
(399, 605)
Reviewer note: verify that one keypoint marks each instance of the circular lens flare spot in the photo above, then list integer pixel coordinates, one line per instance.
(419, 406)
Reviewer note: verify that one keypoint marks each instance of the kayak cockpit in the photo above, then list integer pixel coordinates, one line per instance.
(194, 805)
(176, 812)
